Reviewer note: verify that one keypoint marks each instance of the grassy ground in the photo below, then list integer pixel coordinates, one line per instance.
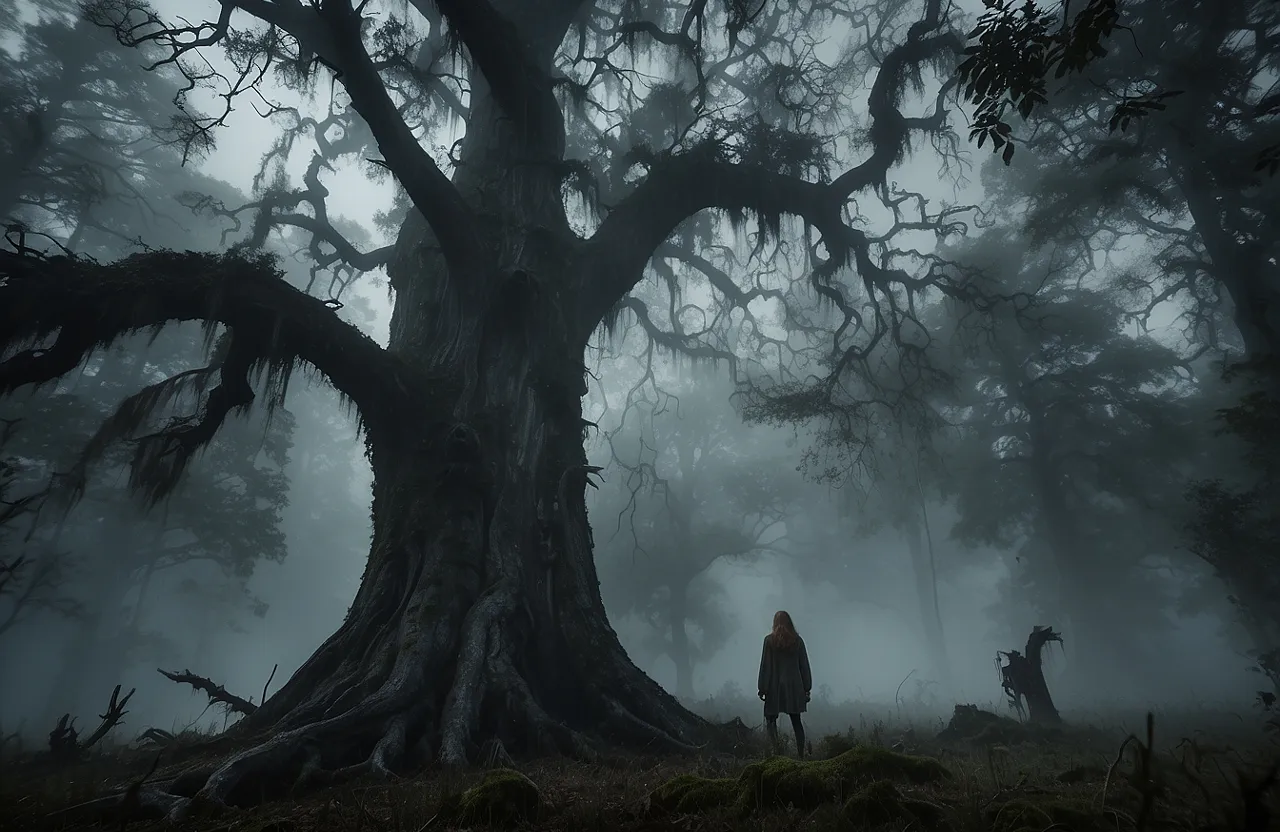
(886, 771)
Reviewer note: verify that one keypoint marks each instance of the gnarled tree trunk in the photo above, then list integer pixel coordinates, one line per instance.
(479, 616)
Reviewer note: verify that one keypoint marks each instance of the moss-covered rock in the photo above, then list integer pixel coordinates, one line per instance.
(690, 794)
(503, 798)
(782, 781)
(881, 803)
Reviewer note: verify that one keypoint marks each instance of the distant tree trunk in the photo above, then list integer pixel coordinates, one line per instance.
(92, 657)
(85, 669)
(678, 611)
(920, 545)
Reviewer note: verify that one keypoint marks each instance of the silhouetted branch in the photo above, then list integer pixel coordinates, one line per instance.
(64, 740)
(217, 693)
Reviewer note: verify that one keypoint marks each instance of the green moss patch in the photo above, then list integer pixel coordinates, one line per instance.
(782, 781)
(503, 798)
(690, 794)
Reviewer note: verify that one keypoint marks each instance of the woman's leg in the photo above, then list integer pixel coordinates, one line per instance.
(771, 728)
(798, 727)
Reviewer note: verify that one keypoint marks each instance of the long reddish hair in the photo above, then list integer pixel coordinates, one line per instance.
(784, 635)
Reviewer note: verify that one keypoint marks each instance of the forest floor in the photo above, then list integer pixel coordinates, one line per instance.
(1205, 771)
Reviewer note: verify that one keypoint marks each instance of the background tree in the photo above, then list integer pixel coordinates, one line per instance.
(1235, 527)
(103, 122)
(1192, 177)
(29, 582)
(906, 475)
(1183, 174)
(698, 489)
(224, 517)
(1069, 424)
(83, 126)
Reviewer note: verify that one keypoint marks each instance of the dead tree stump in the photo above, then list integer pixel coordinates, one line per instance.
(1023, 678)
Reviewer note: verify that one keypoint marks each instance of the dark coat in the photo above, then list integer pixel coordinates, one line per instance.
(785, 679)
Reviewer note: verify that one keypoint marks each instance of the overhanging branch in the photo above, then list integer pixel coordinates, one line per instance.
(86, 305)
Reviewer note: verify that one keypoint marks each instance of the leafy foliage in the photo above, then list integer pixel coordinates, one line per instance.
(1020, 45)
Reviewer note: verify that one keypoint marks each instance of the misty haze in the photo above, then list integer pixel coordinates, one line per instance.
(631, 413)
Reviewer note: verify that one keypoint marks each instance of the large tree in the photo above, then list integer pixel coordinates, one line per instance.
(480, 611)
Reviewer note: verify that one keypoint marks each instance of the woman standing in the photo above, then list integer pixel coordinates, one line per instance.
(785, 679)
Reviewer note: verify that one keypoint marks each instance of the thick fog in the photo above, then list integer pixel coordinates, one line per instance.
(908, 560)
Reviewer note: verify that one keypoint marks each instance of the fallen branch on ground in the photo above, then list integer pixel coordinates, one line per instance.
(64, 740)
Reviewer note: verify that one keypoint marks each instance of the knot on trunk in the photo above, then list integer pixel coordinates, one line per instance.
(462, 460)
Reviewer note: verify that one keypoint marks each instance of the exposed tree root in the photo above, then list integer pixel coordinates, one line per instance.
(373, 736)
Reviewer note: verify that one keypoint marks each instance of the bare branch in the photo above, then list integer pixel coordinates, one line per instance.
(331, 33)
(217, 694)
(708, 176)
